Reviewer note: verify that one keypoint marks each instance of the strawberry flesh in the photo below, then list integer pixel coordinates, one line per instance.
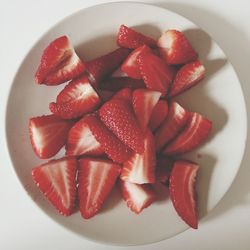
(182, 191)
(124, 94)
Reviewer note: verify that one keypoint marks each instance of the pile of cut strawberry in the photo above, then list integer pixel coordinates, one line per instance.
(120, 124)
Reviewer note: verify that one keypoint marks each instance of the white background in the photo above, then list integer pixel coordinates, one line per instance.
(22, 224)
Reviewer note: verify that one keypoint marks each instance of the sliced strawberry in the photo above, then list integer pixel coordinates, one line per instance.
(59, 63)
(82, 141)
(130, 65)
(129, 38)
(163, 168)
(137, 196)
(48, 134)
(157, 75)
(110, 144)
(96, 179)
(175, 48)
(188, 76)
(101, 67)
(144, 101)
(158, 115)
(75, 100)
(125, 94)
(118, 73)
(118, 83)
(194, 134)
(118, 116)
(176, 119)
(182, 191)
(140, 168)
(57, 181)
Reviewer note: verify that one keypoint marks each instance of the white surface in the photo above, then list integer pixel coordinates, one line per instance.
(24, 226)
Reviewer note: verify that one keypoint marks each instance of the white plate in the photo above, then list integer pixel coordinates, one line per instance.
(219, 97)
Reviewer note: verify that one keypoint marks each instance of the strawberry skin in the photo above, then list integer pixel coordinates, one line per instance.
(110, 144)
(137, 197)
(48, 134)
(176, 119)
(158, 115)
(96, 179)
(188, 76)
(175, 48)
(157, 75)
(118, 116)
(124, 94)
(82, 141)
(140, 168)
(182, 191)
(118, 83)
(130, 65)
(101, 67)
(194, 134)
(75, 100)
(59, 63)
(144, 101)
(129, 38)
(57, 181)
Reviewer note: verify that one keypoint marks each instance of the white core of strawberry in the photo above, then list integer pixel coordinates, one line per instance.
(198, 72)
(179, 111)
(166, 40)
(38, 138)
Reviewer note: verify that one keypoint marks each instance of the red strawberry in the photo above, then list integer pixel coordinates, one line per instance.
(175, 48)
(118, 83)
(140, 168)
(144, 101)
(96, 179)
(101, 67)
(110, 144)
(137, 196)
(82, 141)
(125, 94)
(182, 191)
(118, 73)
(48, 134)
(194, 134)
(57, 181)
(176, 119)
(129, 38)
(158, 115)
(130, 65)
(59, 63)
(188, 76)
(157, 75)
(163, 168)
(119, 117)
(75, 100)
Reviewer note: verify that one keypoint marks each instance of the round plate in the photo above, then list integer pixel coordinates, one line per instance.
(219, 97)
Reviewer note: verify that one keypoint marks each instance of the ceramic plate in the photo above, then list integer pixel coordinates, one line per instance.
(219, 97)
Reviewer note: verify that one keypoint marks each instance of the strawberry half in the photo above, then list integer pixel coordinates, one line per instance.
(176, 119)
(102, 66)
(194, 134)
(157, 75)
(140, 168)
(96, 179)
(124, 94)
(129, 38)
(137, 196)
(75, 100)
(117, 83)
(188, 76)
(118, 116)
(144, 101)
(158, 115)
(182, 191)
(130, 65)
(110, 144)
(57, 181)
(82, 141)
(118, 73)
(163, 168)
(59, 63)
(175, 48)
(48, 134)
